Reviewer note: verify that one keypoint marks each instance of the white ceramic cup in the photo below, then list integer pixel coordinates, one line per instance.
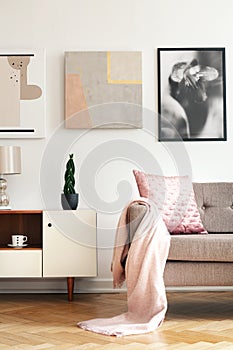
(18, 240)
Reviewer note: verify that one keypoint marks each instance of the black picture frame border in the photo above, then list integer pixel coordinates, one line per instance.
(223, 50)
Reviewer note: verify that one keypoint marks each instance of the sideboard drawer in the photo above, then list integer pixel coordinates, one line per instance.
(21, 263)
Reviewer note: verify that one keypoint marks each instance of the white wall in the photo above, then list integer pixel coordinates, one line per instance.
(60, 26)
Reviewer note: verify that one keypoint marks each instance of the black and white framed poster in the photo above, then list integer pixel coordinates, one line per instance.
(191, 94)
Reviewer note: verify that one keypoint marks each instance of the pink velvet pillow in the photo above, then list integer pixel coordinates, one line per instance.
(174, 196)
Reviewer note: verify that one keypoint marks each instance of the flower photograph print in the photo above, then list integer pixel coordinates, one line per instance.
(191, 94)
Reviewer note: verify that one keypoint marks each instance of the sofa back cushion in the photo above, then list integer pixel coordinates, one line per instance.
(215, 204)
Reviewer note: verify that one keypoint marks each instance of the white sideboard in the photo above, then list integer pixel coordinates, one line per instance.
(60, 244)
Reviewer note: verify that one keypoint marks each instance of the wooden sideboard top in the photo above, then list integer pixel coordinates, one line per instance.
(21, 211)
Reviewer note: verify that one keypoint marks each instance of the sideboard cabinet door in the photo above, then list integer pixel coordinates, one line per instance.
(69, 243)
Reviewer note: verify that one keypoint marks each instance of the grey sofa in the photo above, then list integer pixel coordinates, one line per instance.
(195, 259)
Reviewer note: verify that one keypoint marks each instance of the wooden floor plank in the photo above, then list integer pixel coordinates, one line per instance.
(178, 346)
(194, 321)
(159, 346)
(222, 345)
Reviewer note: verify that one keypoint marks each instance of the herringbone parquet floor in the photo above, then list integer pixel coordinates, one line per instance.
(194, 321)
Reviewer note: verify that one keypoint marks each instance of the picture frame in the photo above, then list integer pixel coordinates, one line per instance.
(22, 93)
(191, 94)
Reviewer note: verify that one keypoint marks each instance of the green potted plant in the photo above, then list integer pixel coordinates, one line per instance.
(69, 197)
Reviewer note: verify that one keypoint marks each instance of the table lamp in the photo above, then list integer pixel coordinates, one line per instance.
(10, 163)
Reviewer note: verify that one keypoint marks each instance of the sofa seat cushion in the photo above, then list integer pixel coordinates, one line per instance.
(211, 247)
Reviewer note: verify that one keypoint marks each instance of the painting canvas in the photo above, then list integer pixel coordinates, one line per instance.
(103, 89)
(22, 94)
(191, 94)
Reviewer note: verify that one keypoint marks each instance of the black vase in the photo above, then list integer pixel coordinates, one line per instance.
(69, 201)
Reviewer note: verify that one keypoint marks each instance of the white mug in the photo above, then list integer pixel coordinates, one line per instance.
(18, 240)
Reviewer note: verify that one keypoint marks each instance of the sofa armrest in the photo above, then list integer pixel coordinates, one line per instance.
(136, 212)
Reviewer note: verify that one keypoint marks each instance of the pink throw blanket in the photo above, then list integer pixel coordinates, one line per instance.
(146, 259)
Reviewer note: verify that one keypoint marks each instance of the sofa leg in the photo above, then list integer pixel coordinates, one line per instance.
(70, 287)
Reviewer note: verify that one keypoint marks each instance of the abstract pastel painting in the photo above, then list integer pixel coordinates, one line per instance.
(22, 94)
(103, 89)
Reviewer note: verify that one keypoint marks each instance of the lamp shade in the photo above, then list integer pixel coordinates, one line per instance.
(10, 160)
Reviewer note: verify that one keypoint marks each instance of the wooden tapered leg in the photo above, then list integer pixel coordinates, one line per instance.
(70, 287)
